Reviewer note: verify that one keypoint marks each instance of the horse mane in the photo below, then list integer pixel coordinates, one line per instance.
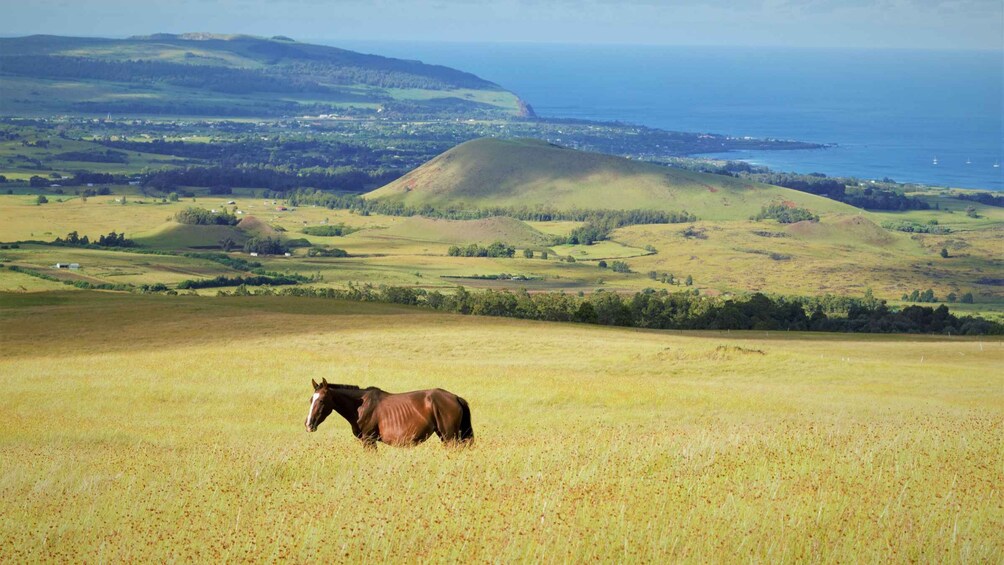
(350, 387)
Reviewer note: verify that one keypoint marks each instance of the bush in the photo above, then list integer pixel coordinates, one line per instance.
(326, 252)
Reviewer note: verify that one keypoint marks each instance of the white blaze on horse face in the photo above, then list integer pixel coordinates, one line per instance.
(313, 401)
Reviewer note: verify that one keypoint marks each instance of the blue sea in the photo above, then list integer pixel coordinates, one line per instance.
(931, 117)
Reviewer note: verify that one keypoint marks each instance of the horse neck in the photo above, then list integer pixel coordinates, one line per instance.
(346, 402)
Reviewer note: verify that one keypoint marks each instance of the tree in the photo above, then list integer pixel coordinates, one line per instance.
(41, 199)
(689, 281)
(944, 252)
(952, 297)
(602, 264)
(264, 246)
(543, 254)
(620, 267)
(586, 314)
(967, 298)
(528, 253)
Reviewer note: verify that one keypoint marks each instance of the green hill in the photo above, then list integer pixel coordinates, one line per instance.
(230, 75)
(492, 172)
(173, 235)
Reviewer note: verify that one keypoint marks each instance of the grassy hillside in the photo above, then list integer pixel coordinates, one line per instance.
(483, 231)
(151, 428)
(229, 75)
(532, 173)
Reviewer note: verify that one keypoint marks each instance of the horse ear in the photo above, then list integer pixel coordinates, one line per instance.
(316, 386)
(324, 381)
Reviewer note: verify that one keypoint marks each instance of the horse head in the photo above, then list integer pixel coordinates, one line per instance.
(320, 406)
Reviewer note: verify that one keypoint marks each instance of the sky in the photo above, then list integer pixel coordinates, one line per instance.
(934, 24)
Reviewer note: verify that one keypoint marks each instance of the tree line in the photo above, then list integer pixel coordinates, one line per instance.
(600, 220)
(112, 239)
(347, 180)
(665, 310)
(495, 249)
(846, 190)
(273, 279)
(982, 197)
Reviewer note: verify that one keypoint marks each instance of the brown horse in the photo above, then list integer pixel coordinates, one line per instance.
(407, 418)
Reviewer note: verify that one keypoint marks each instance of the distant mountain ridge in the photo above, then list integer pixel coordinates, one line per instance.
(167, 73)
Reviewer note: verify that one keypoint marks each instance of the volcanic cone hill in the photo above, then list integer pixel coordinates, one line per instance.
(530, 173)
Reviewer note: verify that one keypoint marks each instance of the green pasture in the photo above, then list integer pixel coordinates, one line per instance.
(600, 250)
(841, 254)
(154, 428)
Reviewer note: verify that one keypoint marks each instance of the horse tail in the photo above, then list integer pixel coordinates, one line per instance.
(466, 430)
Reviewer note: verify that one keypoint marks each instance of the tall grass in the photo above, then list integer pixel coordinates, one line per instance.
(144, 428)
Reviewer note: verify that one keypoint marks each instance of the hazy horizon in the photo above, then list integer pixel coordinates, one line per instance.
(895, 24)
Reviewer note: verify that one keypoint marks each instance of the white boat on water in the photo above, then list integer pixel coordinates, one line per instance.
(934, 161)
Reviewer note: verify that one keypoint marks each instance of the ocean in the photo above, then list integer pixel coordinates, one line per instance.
(932, 117)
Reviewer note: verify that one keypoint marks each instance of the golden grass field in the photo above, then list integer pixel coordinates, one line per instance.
(153, 428)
